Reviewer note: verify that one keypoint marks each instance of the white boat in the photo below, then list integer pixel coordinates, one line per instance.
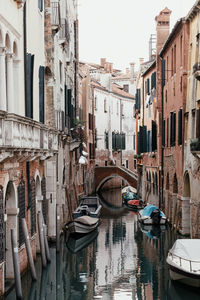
(152, 215)
(184, 261)
(83, 224)
(89, 206)
(129, 188)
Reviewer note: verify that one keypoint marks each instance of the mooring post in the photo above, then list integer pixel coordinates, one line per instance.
(46, 243)
(28, 249)
(57, 229)
(41, 238)
(18, 287)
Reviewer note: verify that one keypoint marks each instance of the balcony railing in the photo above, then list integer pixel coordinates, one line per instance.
(22, 133)
(195, 145)
(55, 14)
(196, 70)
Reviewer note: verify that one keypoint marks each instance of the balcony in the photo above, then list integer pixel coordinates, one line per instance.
(196, 70)
(195, 146)
(24, 137)
(55, 15)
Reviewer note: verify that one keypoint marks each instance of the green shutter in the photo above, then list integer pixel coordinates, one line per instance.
(163, 134)
(180, 127)
(41, 94)
(148, 90)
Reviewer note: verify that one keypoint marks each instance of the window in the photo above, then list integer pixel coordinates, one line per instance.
(172, 62)
(106, 140)
(167, 132)
(95, 103)
(126, 88)
(105, 105)
(163, 137)
(60, 72)
(174, 59)
(193, 124)
(40, 5)
(147, 86)
(172, 129)
(122, 109)
(180, 127)
(41, 94)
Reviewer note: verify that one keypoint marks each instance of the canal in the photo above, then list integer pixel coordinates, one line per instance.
(121, 260)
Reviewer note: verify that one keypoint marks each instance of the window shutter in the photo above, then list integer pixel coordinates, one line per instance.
(106, 140)
(29, 85)
(171, 130)
(148, 91)
(167, 132)
(154, 136)
(123, 141)
(66, 107)
(144, 138)
(174, 129)
(69, 98)
(113, 141)
(180, 127)
(163, 134)
(163, 72)
(40, 5)
(198, 123)
(138, 143)
(134, 142)
(41, 94)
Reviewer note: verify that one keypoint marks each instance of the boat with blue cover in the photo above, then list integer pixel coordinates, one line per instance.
(151, 214)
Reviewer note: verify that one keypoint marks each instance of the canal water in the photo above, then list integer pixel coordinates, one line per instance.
(121, 260)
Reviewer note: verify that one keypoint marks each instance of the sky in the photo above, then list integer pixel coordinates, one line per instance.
(119, 30)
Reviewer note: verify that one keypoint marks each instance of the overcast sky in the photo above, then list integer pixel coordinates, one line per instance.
(120, 30)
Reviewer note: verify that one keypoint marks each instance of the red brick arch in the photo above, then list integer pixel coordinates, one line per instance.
(103, 174)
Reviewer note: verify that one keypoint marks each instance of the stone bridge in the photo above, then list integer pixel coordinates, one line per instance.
(103, 174)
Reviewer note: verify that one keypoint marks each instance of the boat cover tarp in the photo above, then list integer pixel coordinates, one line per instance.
(130, 196)
(148, 210)
(187, 248)
(87, 220)
(129, 189)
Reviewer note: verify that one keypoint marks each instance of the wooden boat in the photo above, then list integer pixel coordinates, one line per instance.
(129, 193)
(83, 224)
(184, 261)
(89, 206)
(151, 214)
(76, 243)
(134, 204)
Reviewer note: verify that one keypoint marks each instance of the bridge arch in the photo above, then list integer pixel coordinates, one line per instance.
(103, 174)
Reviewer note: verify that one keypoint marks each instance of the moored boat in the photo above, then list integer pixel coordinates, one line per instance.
(151, 214)
(129, 193)
(134, 204)
(89, 206)
(184, 261)
(83, 224)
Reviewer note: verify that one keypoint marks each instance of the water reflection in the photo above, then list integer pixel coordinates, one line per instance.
(120, 260)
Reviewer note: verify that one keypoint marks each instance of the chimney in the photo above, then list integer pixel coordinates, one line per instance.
(127, 71)
(132, 70)
(162, 27)
(103, 61)
(141, 60)
(111, 67)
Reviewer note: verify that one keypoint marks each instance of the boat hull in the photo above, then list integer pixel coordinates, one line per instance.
(182, 276)
(76, 226)
(149, 221)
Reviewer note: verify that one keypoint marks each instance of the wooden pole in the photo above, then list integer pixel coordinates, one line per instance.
(41, 238)
(28, 249)
(46, 243)
(18, 287)
(57, 230)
